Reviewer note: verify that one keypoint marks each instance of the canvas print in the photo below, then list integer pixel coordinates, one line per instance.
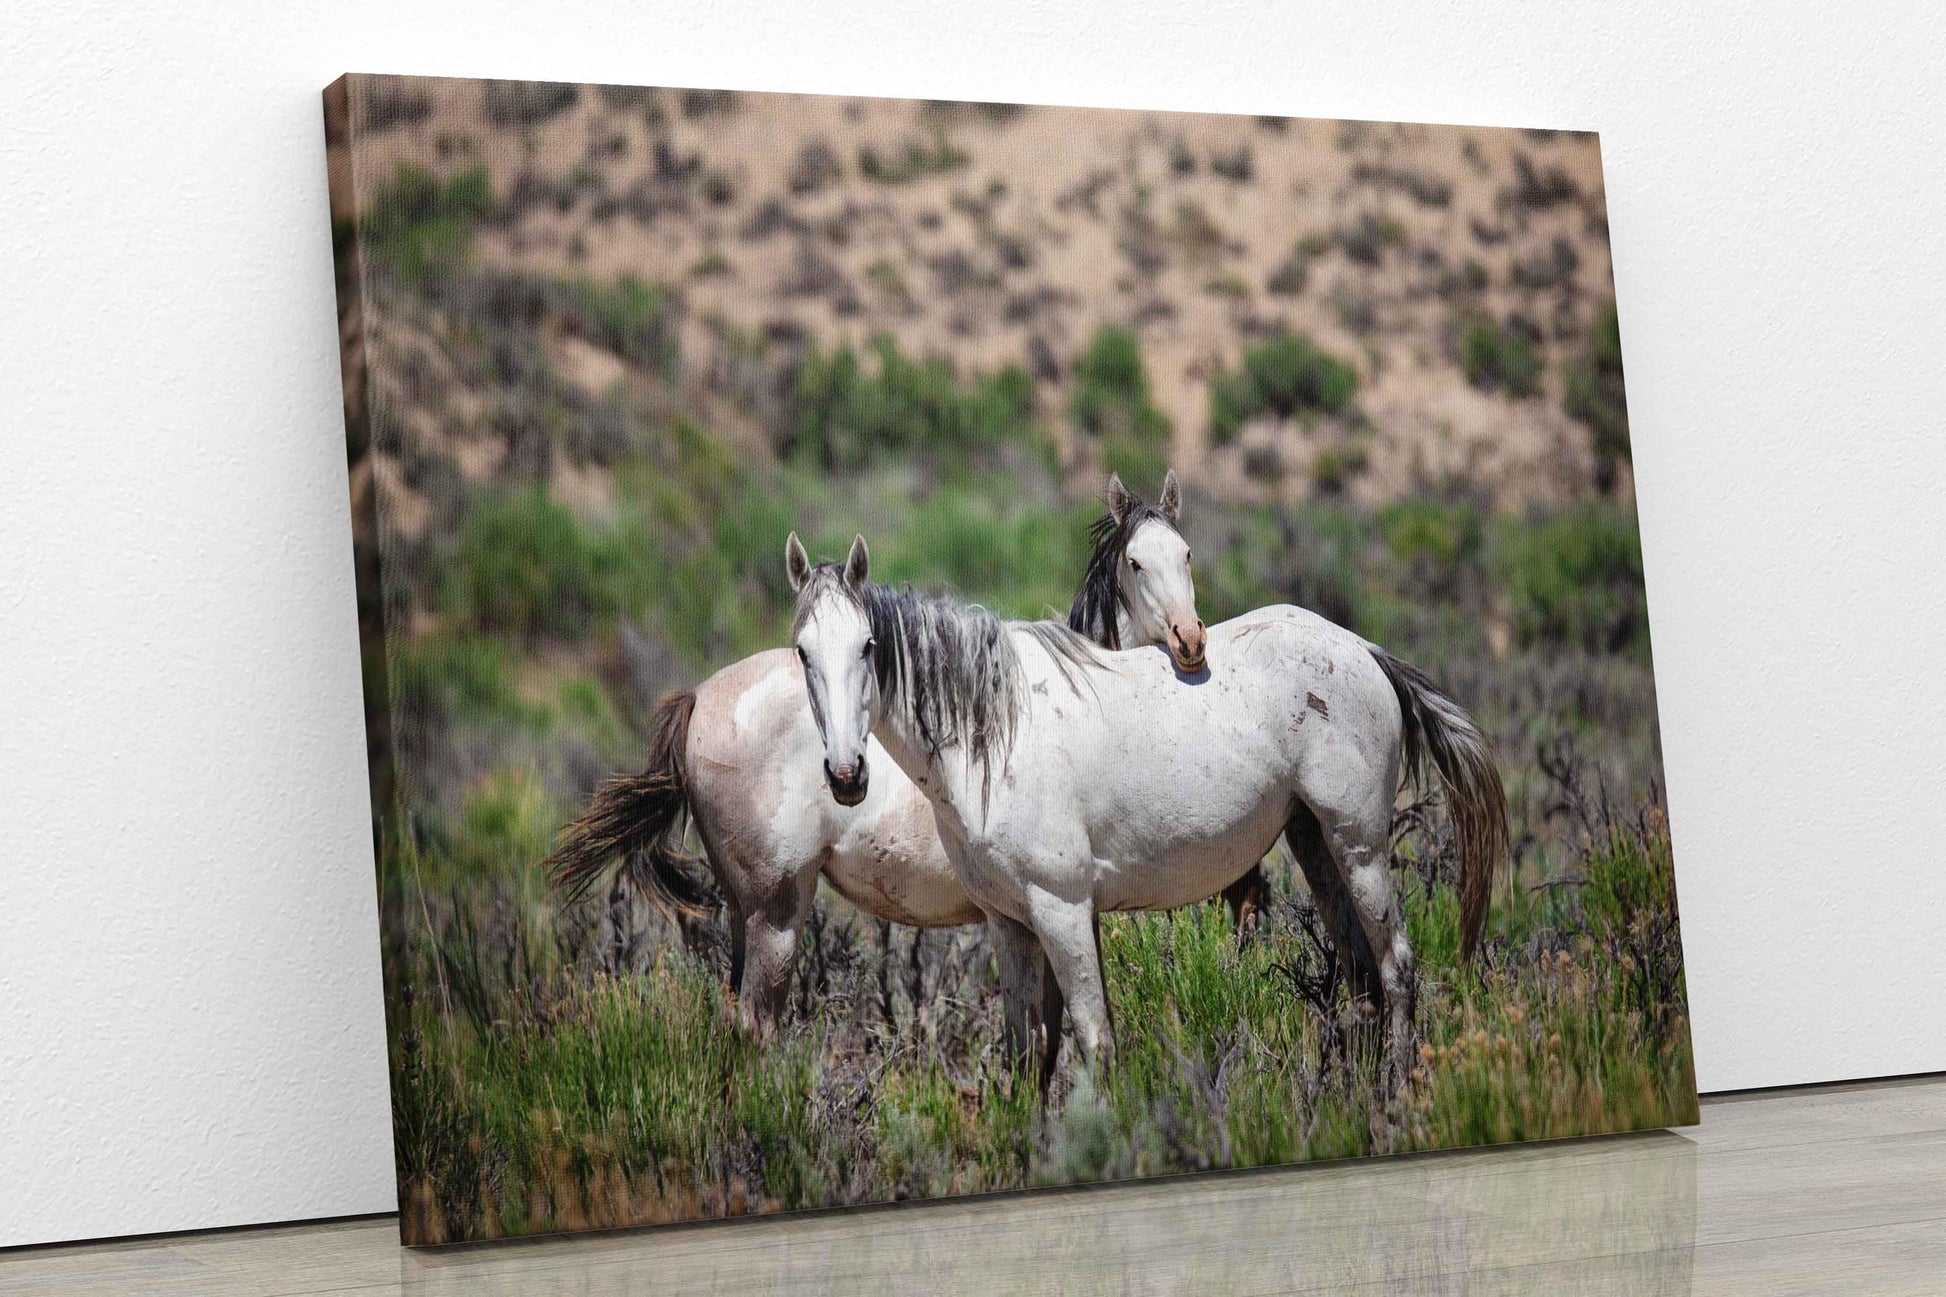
(923, 648)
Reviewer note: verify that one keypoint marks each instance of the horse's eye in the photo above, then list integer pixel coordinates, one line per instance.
(802, 658)
(871, 647)
(1137, 566)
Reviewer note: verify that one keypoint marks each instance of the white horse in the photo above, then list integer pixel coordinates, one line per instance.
(1067, 781)
(740, 754)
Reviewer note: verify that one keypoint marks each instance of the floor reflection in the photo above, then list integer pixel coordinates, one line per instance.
(1619, 1213)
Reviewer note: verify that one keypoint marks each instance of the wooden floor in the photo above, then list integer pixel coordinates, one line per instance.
(1812, 1191)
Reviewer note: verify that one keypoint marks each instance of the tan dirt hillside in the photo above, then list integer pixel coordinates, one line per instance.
(997, 235)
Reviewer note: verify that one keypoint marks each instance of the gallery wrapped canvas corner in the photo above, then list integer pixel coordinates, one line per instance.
(922, 648)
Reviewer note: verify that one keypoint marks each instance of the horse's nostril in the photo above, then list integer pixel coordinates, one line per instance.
(847, 781)
(1187, 645)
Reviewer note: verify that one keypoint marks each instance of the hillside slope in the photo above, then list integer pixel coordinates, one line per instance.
(1463, 274)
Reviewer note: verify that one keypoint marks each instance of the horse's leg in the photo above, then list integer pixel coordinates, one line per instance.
(1101, 969)
(737, 943)
(769, 941)
(1068, 935)
(1053, 1016)
(767, 868)
(1350, 947)
(1246, 899)
(1359, 840)
(1017, 953)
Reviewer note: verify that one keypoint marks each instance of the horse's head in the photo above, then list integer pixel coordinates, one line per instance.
(1157, 590)
(833, 634)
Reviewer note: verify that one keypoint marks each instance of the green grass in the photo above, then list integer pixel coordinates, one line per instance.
(691, 546)
(585, 711)
(1425, 575)
(1433, 532)
(533, 1099)
(525, 566)
(692, 550)
(1336, 466)
(1017, 557)
(642, 1103)
(935, 1134)
(467, 679)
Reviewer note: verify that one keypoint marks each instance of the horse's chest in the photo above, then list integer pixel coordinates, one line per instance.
(891, 865)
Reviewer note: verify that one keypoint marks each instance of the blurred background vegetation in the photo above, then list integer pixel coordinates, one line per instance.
(606, 347)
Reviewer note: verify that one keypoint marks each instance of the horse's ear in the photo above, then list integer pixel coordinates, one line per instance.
(1171, 497)
(1117, 497)
(858, 563)
(797, 563)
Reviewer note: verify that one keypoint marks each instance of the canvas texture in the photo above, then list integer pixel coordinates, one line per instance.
(1359, 385)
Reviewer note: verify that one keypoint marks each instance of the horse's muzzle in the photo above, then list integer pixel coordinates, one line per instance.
(847, 782)
(1188, 646)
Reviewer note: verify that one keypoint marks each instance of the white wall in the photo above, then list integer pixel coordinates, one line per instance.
(190, 1022)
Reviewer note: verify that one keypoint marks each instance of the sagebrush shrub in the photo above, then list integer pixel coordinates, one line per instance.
(1283, 376)
(853, 409)
(418, 228)
(1499, 359)
(1595, 395)
(1111, 403)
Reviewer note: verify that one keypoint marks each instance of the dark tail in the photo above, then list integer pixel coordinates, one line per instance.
(1438, 728)
(639, 818)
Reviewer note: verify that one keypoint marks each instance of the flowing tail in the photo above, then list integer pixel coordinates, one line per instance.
(1438, 728)
(634, 817)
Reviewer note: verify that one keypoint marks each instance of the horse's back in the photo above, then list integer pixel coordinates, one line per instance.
(1334, 693)
(1289, 702)
(1160, 790)
(755, 699)
(1290, 627)
(1269, 673)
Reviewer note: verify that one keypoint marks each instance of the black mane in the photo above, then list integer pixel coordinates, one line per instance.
(1093, 611)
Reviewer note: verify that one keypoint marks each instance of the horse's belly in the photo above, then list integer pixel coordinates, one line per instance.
(1188, 868)
(1181, 826)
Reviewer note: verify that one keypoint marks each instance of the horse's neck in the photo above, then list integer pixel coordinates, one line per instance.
(943, 777)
